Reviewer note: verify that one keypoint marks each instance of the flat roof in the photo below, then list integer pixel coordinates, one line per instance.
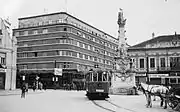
(68, 15)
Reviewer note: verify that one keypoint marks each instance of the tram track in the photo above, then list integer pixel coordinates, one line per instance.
(112, 107)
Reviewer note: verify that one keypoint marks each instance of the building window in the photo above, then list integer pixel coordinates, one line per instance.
(66, 65)
(175, 63)
(74, 54)
(63, 53)
(3, 61)
(40, 31)
(104, 61)
(24, 66)
(35, 31)
(91, 48)
(90, 57)
(95, 58)
(152, 62)
(25, 32)
(0, 41)
(45, 31)
(86, 56)
(141, 63)
(80, 55)
(21, 33)
(81, 44)
(86, 46)
(65, 29)
(30, 32)
(1, 32)
(74, 42)
(162, 62)
(68, 53)
(35, 54)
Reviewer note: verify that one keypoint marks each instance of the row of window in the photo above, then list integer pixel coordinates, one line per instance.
(58, 65)
(67, 41)
(69, 22)
(174, 80)
(151, 62)
(174, 62)
(55, 29)
(45, 65)
(65, 53)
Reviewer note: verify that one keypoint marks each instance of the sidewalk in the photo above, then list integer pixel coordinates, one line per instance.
(18, 92)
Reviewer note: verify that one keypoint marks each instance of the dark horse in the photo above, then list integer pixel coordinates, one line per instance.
(156, 90)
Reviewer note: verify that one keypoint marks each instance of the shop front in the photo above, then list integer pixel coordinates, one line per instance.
(2, 80)
(157, 79)
(140, 77)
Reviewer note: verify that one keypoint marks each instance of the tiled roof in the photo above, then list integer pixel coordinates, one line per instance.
(163, 38)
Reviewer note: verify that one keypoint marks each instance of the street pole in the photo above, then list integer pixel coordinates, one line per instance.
(147, 69)
(54, 75)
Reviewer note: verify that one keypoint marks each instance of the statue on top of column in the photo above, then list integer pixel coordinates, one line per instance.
(121, 20)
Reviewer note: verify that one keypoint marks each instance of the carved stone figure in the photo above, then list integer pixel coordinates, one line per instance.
(121, 20)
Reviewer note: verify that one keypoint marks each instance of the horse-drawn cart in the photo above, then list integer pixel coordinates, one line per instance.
(173, 98)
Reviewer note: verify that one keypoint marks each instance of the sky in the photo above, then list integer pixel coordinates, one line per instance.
(143, 16)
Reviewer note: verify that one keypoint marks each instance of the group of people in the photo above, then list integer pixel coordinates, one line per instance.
(73, 86)
(39, 86)
(35, 86)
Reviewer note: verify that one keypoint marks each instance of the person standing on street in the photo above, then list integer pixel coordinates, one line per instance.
(34, 86)
(23, 89)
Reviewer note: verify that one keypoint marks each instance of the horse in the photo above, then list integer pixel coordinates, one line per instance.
(154, 90)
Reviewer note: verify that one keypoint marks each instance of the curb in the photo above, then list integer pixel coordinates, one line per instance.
(17, 92)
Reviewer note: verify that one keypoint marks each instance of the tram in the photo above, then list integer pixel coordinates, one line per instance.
(97, 84)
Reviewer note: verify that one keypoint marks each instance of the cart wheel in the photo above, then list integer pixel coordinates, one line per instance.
(173, 104)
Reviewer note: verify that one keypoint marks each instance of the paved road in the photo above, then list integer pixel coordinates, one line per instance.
(74, 101)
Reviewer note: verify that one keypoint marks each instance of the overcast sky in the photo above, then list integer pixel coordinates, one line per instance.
(143, 16)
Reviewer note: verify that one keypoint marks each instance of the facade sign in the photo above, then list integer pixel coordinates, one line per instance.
(140, 74)
(158, 75)
(58, 71)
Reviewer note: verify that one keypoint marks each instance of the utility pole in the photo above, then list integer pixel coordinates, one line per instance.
(54, 77)
(147, 69)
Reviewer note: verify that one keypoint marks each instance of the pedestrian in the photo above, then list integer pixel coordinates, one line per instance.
(40, 86)
(44, 86)
(34, 86)
(23, 89)
(26, 87)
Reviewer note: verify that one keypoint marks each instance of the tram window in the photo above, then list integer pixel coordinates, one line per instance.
(95, 77)
(99, 76)
(173, 80)
(104, 77)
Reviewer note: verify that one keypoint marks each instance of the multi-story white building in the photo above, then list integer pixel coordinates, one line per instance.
(7, 56)
(60, 40)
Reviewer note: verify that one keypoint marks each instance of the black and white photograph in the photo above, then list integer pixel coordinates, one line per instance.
(89, 55)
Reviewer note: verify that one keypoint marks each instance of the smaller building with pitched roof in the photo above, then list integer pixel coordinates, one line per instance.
(157, 60)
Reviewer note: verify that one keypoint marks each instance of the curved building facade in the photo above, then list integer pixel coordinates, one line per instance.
(60, 40)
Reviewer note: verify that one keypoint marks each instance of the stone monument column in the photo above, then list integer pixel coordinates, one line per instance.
(123, 79)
